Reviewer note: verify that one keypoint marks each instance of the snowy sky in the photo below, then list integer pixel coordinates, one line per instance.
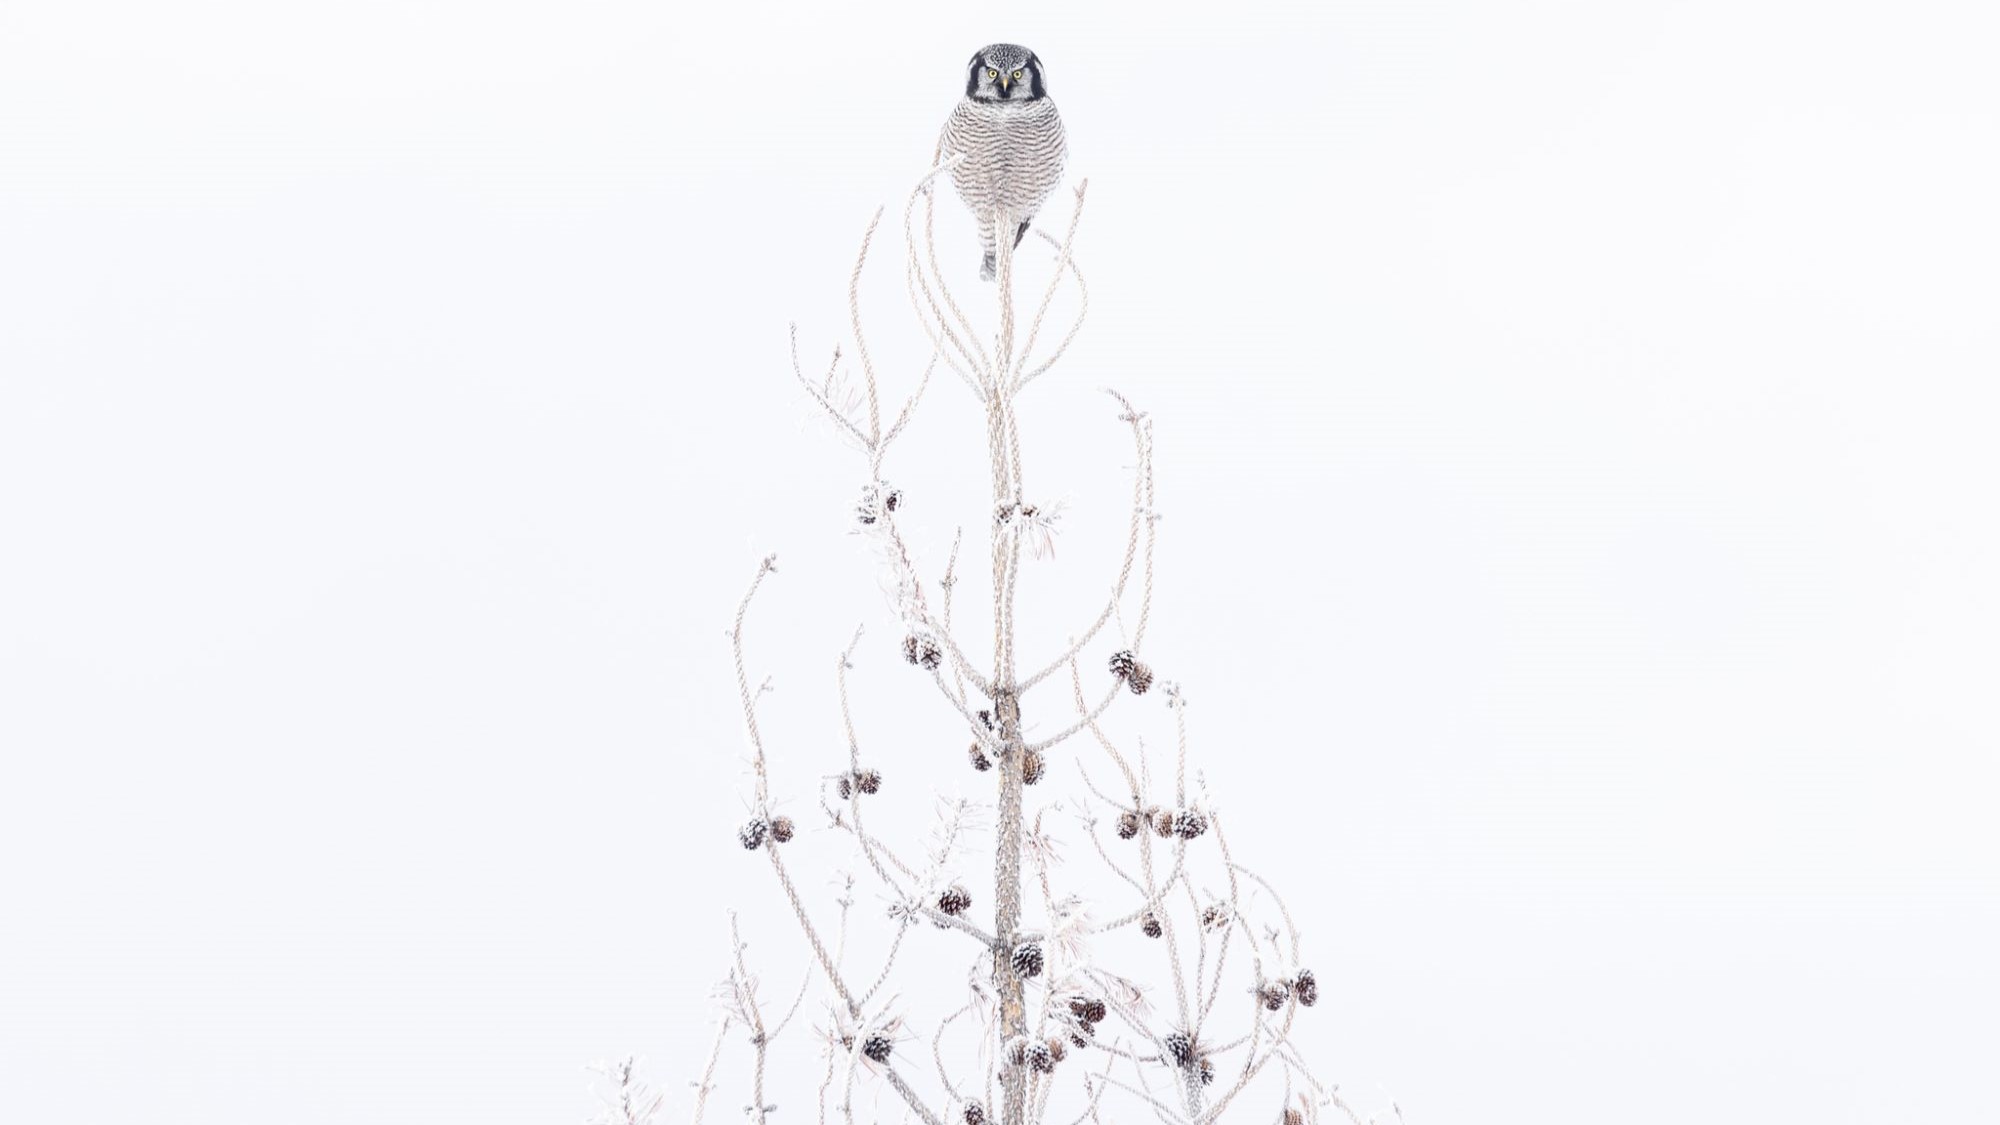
(1575, 432)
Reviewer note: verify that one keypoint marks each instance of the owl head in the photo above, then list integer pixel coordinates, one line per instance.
(1004, 72)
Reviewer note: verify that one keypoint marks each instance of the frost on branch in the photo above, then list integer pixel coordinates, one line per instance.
(1118, 962)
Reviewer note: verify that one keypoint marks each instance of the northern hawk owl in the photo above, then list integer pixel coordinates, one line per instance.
(1012, 139)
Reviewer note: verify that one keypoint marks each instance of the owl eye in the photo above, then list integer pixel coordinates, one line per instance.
(1017, 76)
(991, 73)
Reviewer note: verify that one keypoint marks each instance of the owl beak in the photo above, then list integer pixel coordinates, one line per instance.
(1003, 83)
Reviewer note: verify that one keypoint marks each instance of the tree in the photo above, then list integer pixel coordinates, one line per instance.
(1045, 1019)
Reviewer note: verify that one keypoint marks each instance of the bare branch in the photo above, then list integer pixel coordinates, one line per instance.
(769, 565)
(839, 417)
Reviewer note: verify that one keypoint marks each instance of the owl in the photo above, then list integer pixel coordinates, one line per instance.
(1012, 139)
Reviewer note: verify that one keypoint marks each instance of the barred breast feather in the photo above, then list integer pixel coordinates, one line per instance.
(1014, 152)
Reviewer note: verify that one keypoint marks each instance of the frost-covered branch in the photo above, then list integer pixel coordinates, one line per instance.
(1056, 974)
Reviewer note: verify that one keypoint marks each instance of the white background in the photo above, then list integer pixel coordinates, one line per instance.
(1576, 450)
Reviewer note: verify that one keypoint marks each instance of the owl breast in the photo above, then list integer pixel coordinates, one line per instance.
(1014, 155)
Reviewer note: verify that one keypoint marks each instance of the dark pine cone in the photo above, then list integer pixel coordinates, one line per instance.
(1041, 1058)
(752, 834)
(1032, 766)
(954, 900)
(1207, 1071)
(1306, 987)
(1140, 681)
(869, 781)
(782, 829)
(1274, 993)
(1123, 662)
(1189, 823)
(975, 1114)
(1215, 915)
(1149, 925)
(1028, 960)
(1292, 1117)
(877, 1047)
(1180, 1048)
(894, 500)
(1128, 825)
(922, 651)
(1163, 823)
(980, 761)
(1089, 1009)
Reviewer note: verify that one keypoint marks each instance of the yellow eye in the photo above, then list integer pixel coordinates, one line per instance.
(991, 73)
(1017, 76)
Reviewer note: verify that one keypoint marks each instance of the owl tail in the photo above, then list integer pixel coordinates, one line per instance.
(986, 263)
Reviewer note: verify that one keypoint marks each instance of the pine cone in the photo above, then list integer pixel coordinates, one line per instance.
(782, 829)
(1082, 1033)
(1032, 766)
(1292, 1117)
(1274, 993)
(1149, 925)
(1028, 960)
(980, 761)
(975, 1114)
(877, 1047)
(845, 786)
(954, 900)
(923, 651)
(1140, 681)
(1041, 1058)
(1207, 1070)
(894, 500)
(1089, 1009)
(1128, 825)
(1017, 1051)
(1306, 987)
(1189, 823)
(869, 781)
(1180, 1048)
(1163, 823)
(752, 834)
(1058, 1050)
(1215, 915)
(1123, 662)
